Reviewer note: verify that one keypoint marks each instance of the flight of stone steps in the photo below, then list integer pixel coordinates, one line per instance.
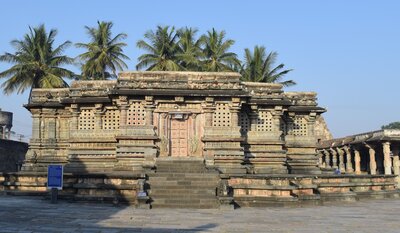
(183, 183)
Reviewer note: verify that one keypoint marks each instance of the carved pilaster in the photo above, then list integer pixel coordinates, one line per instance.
(311, 123)
(253, 117)
(208, 109)
(75, 116)
(36, 115)
(123, 108)
(97, 116)
(149, 108)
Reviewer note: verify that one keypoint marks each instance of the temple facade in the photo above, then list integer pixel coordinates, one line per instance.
(130, 123)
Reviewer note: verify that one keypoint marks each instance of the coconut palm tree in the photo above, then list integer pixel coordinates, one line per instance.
(216, 55)
(104, 55)
(258, 67)
(162, 49)
(36, 63)
(189, 49)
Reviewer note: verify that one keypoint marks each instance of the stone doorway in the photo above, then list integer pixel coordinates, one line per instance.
(179, 138)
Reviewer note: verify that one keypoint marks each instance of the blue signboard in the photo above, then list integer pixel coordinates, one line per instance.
(55, 176)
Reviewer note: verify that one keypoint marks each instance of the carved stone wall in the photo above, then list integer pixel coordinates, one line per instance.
(126, 124)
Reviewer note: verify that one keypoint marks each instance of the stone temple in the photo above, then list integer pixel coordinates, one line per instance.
(184, 139)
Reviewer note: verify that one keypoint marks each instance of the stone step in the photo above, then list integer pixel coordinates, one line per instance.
(181, 196)
(178, 201)
(181, 192)
(185, 206)
(188, 175)
(180, 170)
(161, 183)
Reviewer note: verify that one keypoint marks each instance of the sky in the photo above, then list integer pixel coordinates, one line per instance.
(346, 51)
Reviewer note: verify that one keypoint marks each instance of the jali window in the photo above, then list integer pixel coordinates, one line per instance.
(136, 114)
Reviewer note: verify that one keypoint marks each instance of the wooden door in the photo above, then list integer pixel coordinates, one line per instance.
(179, 138)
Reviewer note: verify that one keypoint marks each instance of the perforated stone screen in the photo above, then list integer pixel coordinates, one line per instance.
(244, 122)
(222, 115)
(86, 119)
(298, 127)
(264, 121)
(110, 119)
(136, 114)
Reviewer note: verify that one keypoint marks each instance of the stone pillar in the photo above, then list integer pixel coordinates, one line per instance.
(357, 162)
(327, 159)
(97, 116)
(123, 109)
(75, 117)
(396, 162)
(349, 164)
(334, 158)
(208, 109)
(149, 109)
(311, 123)
(123, 115)
(235, 109)
(208, 117)
(321, 159)
(235, 116)
(387, 162)
(372, 161)
(341, 160)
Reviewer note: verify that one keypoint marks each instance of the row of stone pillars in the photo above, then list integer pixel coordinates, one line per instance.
(341, 158)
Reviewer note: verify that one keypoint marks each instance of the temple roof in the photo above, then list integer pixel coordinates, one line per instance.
(373, 136)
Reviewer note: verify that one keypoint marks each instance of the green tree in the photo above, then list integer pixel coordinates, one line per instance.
(393, 125)
(36, 63)
(259, 67)
(216, 55)
(104, 55)
(162, 48)
(189, 49)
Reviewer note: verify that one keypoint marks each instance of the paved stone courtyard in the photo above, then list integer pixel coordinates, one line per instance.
(28, 214)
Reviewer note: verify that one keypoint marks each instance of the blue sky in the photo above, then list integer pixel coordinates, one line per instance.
(347, 51)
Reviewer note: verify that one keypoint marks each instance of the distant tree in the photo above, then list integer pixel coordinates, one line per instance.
(216, 55)
(104, 55)
(163, 49)
(37, 64)
(393, 125)
(259, 67)
(189, 52)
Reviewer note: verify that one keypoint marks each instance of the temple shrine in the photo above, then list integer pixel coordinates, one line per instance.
(190, 140)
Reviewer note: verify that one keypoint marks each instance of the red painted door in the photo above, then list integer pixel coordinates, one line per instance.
(179, 138)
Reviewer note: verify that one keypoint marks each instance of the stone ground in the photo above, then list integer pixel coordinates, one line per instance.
(29, 214)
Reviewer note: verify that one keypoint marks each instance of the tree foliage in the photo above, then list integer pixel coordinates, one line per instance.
(393, 125)
(104, 53)
(259, 67)
(36, 63)
(162, 48)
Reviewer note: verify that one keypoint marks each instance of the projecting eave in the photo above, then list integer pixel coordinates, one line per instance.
(306, 109)
(281, 102)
